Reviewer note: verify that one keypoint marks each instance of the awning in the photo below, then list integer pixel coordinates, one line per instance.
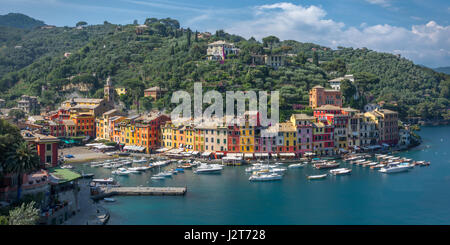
(232, 158)
(248, 155)
(162, 150)
(289, 154)
(219, 153)
(195, 153)
(274, 154)
(235, 154)
(310, 153)
(261, 154)
(134, 148)
(206, 153)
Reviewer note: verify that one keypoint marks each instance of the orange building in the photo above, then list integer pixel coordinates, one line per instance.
(85, 124)
(155, 92)
(319, 96)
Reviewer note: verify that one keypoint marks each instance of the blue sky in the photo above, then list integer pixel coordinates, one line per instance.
(416, 29)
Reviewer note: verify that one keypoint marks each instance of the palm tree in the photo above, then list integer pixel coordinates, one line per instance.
(23, 161)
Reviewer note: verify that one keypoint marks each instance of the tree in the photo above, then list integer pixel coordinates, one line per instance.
(348, 90)
(146, 102)
(270, 40)
(81, 23)
(16, 114)
(189, 37)
(26, 214)
(23, 161)
(315, 58)
(9, 138)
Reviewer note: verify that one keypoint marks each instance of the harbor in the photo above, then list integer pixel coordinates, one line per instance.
(364, 196)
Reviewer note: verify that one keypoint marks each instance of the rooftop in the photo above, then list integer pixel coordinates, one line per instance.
(63, 175)
(302, 117)
(328, 107)
(156, 88)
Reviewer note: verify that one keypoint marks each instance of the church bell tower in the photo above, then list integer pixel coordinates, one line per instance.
(109, 91)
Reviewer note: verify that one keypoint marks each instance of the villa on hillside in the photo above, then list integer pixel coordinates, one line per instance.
(219, 50)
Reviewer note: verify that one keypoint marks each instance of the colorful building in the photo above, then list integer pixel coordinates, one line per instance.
(319, 96)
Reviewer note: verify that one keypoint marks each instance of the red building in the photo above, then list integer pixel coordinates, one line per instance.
(46, 147)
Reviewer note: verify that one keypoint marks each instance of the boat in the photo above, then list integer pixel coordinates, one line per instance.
(340, 171)
(121, 171)
(208, 168)
(326, 165)
(155, 177)
(109, 182)
(134, 170)
(108, 199)
(279, 163)
(370, 164)
(142, 160)
(265, 177)
(313, 177)
(107, 166)
(380, 165)
(179, 169)
(87, 176)
(67, 167)
(297, 165)
(394, 169)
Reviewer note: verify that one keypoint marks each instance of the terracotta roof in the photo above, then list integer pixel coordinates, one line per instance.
(328, 107)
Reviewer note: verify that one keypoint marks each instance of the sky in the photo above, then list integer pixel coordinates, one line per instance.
(418, 30)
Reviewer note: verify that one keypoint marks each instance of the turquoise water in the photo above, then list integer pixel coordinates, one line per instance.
(420, 196)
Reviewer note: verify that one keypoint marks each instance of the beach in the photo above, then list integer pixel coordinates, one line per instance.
(82, 154)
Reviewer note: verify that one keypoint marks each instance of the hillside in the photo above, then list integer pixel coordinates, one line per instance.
(17, 20)
(445, 70)
(19, 48)
(164, 55)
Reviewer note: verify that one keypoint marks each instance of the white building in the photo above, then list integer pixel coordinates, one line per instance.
(336, 83)
(219, 50)
(405, 137)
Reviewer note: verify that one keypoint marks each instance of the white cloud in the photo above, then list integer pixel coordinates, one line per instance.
(382, 3)
(427, 44)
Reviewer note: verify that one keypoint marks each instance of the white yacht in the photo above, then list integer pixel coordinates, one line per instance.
(340, 171)
(208, 168)
(121, 171)
(394, 169)
(265, 177)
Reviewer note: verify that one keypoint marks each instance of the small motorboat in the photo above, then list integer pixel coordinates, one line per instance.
(157, 177)
(320, 176)
(340, 171)
(297, 165)
(108, 199)
(87, 176)
(67, 166)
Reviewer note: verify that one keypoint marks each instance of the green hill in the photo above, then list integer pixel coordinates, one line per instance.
(165, 56)
(17, 20)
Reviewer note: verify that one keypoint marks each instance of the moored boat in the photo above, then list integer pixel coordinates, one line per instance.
(314, 177)
(265, 177)
(297, 165)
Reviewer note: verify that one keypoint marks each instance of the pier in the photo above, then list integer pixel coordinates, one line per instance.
(139, 191)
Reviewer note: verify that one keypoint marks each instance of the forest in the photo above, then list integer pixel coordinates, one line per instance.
(166, 55)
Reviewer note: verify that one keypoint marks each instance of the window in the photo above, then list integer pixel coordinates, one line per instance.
(48, 159)
(49, 147)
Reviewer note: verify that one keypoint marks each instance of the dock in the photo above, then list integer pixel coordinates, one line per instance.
(139, 191)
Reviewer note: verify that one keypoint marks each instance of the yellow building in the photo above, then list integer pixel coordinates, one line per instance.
(121, 91)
